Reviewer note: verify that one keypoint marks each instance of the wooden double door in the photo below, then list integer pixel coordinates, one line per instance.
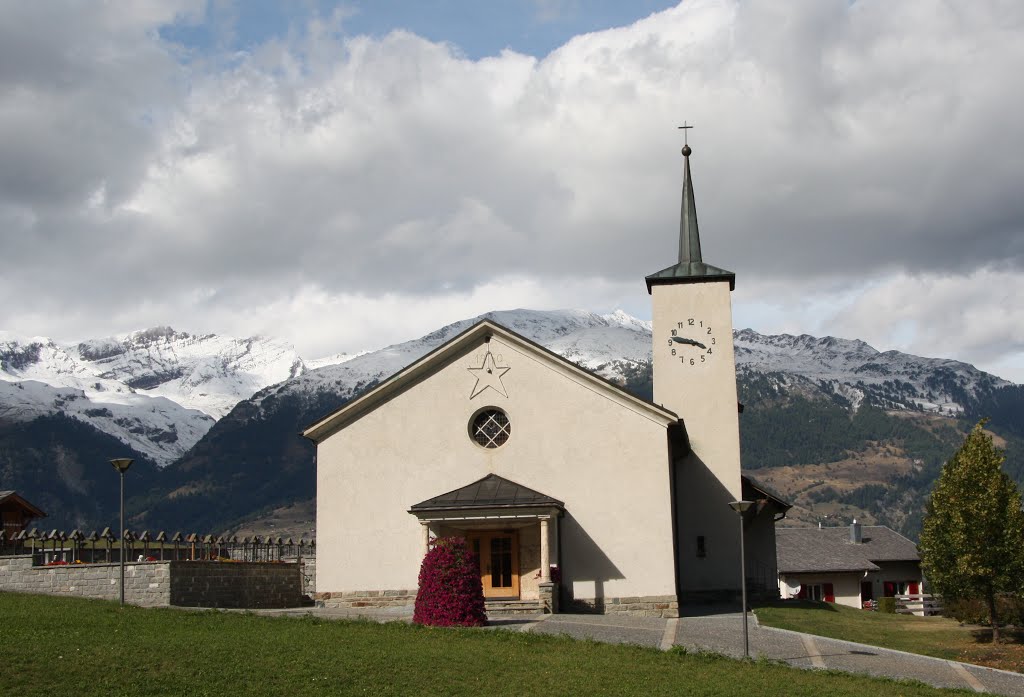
(498, 552)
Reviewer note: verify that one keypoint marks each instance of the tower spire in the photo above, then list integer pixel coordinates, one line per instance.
(691, 267)
(689, 235)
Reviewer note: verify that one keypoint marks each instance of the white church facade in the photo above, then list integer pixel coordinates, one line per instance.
(575, 494)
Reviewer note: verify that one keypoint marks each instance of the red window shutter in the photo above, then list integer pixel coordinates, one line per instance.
(830, 593)
(888, 589)
(912, 588)
(802, 594)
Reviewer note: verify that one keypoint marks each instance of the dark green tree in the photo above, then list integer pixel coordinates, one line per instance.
(973, 530)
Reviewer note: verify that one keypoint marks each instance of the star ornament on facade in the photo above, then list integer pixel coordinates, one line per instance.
(488, 375)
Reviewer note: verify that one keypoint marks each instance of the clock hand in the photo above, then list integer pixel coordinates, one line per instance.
(691, 342)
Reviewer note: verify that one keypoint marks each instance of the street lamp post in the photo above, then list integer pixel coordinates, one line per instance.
(121, 464)
(741, 507)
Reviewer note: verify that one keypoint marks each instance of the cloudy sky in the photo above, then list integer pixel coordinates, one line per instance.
(346, 175)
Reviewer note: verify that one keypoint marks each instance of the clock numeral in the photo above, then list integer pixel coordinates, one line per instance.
(702, 323)
(673, 352)
(709, 330)
(670, 342)
(673, 332)
(709, 350)
(702, 358)
(680, 325)
(690, 322)
(712, 340)
(691, 360)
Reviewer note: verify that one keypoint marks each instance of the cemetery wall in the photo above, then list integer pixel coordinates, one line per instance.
(156, 584)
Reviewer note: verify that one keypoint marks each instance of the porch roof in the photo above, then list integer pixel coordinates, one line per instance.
(491, 491)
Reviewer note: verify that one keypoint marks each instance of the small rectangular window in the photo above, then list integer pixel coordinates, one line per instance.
(701, 550)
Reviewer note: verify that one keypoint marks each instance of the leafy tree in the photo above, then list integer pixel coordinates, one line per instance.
(973, 528)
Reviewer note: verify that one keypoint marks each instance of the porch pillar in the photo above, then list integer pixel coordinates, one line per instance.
(426, 536)
(545, 551)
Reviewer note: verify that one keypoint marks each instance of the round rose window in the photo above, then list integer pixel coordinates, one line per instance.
(490, 428)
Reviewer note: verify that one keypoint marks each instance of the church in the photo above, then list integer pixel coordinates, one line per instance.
(575, 494)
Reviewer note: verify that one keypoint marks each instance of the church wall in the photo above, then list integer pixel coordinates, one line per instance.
(601, 454)
(702, 509)
(762, 566)
(704, 395)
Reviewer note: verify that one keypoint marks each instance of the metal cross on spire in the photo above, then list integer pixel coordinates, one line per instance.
(684, 128)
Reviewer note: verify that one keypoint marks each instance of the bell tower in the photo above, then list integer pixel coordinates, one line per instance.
(695, 376)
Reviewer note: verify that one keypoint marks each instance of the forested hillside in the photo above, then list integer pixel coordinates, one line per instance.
(836, 463)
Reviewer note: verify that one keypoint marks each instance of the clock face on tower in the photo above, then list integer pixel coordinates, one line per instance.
(692, 342)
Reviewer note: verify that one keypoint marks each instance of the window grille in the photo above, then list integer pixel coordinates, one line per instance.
(491, 428)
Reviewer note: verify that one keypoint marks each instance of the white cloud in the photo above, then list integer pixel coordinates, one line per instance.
(847, 146)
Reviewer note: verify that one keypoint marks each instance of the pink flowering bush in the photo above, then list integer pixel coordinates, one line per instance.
(450, 593)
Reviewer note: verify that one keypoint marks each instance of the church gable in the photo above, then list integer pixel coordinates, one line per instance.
(487, 375)
(491, 410)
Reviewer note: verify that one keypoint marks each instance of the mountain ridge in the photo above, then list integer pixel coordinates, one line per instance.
(251, 460)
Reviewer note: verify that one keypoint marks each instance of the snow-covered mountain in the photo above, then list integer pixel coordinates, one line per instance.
(856, 372)
(605, 344)
(157, 390)
(160, 391)
(617, 344)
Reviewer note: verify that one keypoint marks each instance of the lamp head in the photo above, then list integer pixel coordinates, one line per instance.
(740, 506)
(121, 464)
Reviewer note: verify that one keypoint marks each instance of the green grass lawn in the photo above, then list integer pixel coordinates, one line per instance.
(931, 636)
(57, 646)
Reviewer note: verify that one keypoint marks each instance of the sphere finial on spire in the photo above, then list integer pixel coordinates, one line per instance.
(686, 146)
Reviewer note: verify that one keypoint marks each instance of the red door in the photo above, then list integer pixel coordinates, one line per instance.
(830, 593)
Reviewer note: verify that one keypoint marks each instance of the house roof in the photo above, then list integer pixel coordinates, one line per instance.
(830, 549)
(11, 496)
(483, 330)
(490, 492)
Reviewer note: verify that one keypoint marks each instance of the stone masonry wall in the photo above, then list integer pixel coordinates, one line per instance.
(244, 585)
(147, 585)
(643, 606)
(156, 584)
(350, 599)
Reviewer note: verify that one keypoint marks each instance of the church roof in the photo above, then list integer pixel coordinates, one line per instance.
(830, 549)
(12, 497)
(691, 267)
(490, 492)
(479, 332)
(756, 490)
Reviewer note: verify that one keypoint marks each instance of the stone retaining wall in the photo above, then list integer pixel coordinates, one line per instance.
(235, 585)
(349, 599)
(642, 606)
(156, 584)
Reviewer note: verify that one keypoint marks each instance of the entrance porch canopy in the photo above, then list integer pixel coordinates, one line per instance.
(496, 500)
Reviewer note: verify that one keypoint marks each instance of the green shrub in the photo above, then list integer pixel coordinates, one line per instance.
(1009, 610)
(887, 605)
(450, 592)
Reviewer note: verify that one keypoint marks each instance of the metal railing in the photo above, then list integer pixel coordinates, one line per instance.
(58, 547)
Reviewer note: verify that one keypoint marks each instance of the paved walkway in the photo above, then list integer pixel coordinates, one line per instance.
(705, 629)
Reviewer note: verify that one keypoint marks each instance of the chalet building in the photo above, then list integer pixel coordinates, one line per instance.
(570, 489)
(16, 513)
(848, 566)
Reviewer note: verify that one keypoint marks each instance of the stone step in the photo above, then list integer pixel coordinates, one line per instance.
(511, 608)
